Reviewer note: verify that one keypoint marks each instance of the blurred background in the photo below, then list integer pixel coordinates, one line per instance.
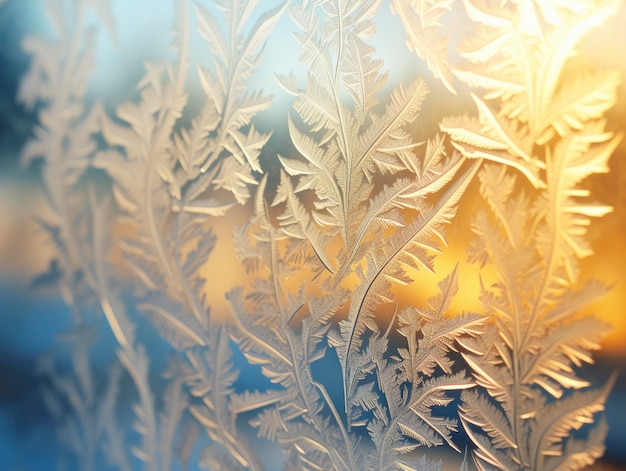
(31, 319)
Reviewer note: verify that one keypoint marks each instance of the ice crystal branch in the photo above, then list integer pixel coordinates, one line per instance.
(357, 147)
(57, 82)
(552, 131)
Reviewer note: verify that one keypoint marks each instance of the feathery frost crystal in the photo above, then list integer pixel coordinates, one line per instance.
(371, 173)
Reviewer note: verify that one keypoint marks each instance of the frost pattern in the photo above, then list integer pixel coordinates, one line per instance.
(336, 226)
(551, 132)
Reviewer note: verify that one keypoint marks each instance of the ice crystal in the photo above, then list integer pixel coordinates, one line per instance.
(361, 201)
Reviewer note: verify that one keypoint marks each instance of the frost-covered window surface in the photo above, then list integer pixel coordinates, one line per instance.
(313, 235)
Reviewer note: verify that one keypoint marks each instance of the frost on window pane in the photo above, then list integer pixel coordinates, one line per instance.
(334, 204)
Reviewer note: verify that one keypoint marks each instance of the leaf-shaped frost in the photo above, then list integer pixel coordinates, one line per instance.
(479, 411)
(549, 128)
(579, 101)
(211, 375)
(422, 21)
(558, 420)
(404, 247)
